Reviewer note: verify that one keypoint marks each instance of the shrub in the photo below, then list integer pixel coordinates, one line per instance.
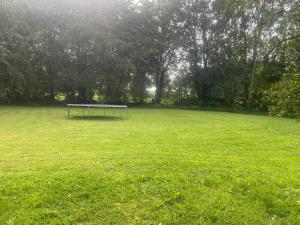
(283, 98)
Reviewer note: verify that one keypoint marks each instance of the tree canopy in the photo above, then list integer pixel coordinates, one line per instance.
(192, 51)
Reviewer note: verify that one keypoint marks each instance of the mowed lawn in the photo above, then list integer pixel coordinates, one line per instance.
(158, 166)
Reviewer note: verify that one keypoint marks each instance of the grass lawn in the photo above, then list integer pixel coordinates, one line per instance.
(157, 166)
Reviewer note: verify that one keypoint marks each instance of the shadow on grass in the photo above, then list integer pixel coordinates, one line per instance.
(235, 110)
(97, 118)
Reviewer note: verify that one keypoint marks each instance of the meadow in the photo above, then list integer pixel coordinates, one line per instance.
(157, 166)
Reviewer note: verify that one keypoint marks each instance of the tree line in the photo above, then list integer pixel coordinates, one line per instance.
(226, 52)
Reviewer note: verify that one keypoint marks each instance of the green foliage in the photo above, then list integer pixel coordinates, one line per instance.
(198, 51)
(283, 99)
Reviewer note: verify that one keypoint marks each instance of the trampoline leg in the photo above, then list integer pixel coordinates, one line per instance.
(68, 112)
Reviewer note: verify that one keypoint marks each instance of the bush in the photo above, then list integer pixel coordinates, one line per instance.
(283, 98)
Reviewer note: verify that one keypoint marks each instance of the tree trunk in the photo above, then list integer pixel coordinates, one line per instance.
(139, 86)
(250, 95)
(159, 87)
(245, 60)
(257, 35)
(253, 68)
(205, 47)
(194, 66)
(51, 80)
(158, 93)
(52, 94)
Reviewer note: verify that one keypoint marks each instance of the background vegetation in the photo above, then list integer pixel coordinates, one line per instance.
(157, 166)
(192, 51)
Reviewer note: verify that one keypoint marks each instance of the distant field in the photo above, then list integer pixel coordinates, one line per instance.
(158, 166)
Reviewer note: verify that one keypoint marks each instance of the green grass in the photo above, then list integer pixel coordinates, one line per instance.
(157, 166)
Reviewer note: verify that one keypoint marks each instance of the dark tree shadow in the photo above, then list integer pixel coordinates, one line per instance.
(97, 118)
